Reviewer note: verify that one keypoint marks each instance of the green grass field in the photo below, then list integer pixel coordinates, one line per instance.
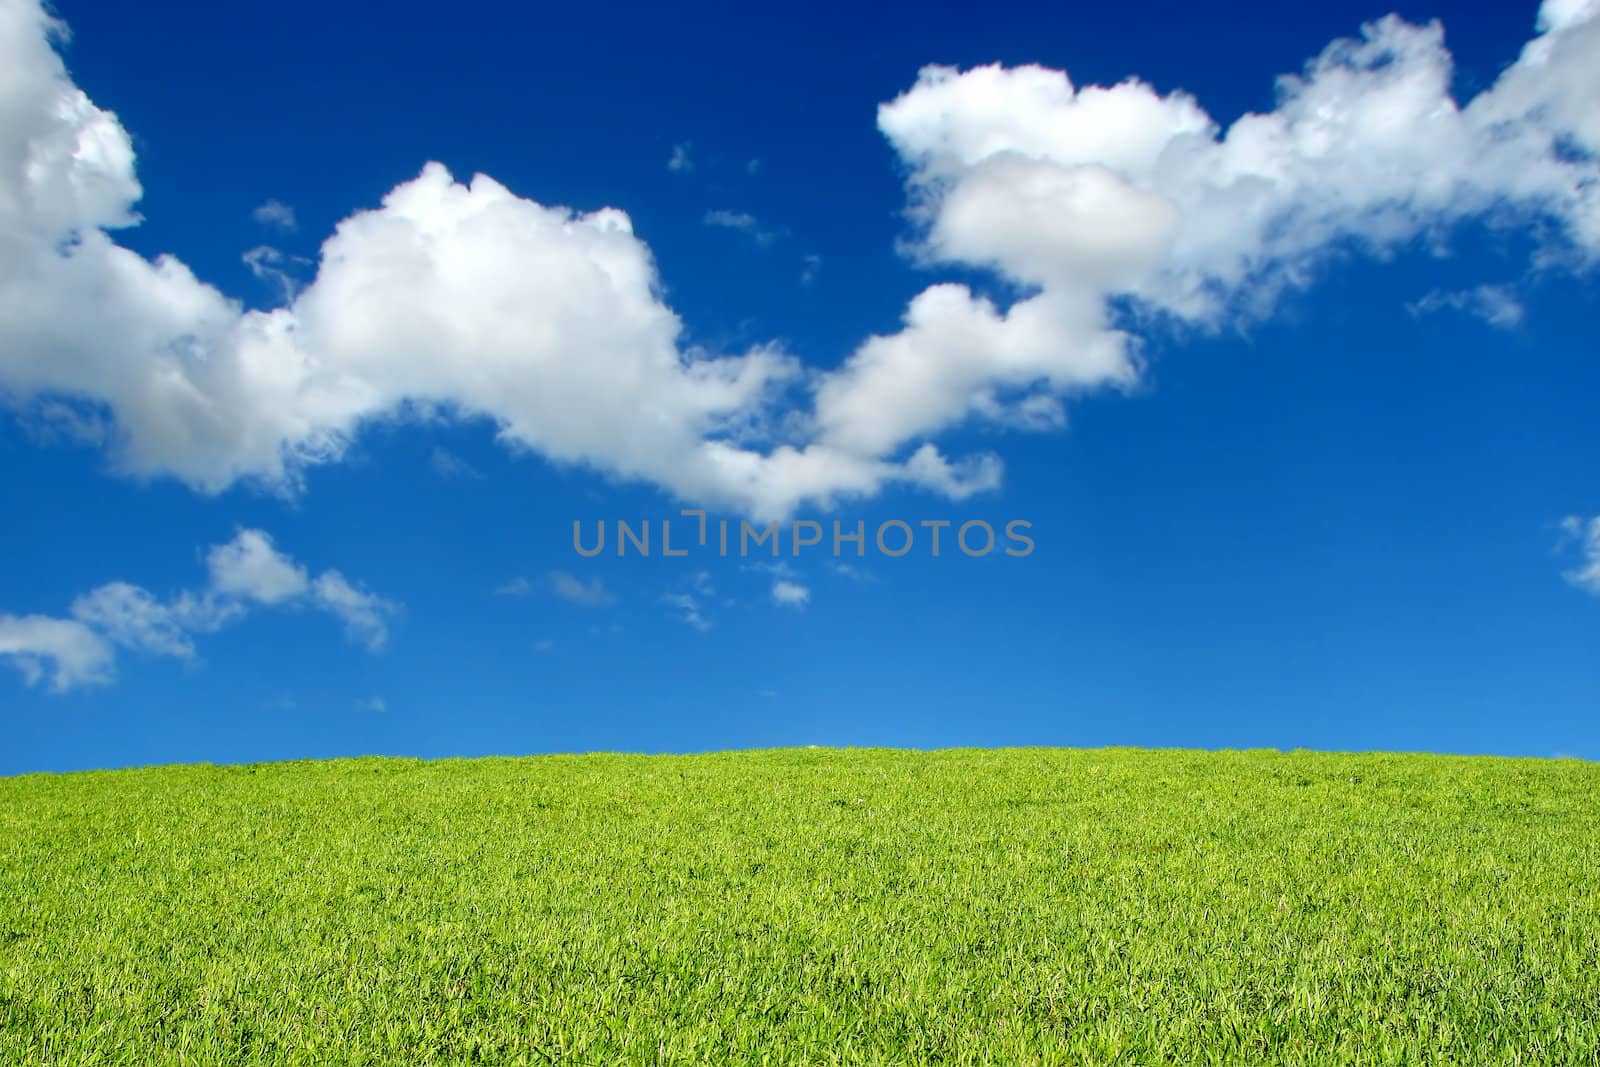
(806, 906)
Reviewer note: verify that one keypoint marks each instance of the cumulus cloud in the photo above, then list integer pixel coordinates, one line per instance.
(244, 573)
(72, 653)
(1087, 197)
(1107, 210)
(132, 617)
(1585, 533)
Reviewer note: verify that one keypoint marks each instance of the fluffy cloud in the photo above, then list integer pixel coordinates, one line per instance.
(132, 617)
(1106, 208)
(74, 654)
(1090, 197)
(251, 568)
(246, 572)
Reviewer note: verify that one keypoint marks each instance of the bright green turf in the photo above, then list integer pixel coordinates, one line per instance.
(806, 906)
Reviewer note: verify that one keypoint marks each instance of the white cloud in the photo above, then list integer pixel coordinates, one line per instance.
(73, 653)
(590, 594)
(753, 167)
(132, 617)
(811, 267)
(680, 161)
(1495, 304)
(1586, 534)
(366, 615)
(790, 594)
(518, 586)
(1088, 195)
(246, 572)
(250, 568)
(464, 300)
(744, 223)
(276, 214)
(374, 704)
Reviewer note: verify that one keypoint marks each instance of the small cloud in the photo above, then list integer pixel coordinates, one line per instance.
(753, 167)
(371, 704)
(790, 594)
(1586, 534)
(273, 267)
(366, 615)
(1494, 304)
(448, 466)
(808, 272)
(743, 222)
(276, 214)
(518, 586)
(777, 568)
(850, 571)
(591, 594)
(544, 644)
(680, 162)
(72, 652)
(688, 610)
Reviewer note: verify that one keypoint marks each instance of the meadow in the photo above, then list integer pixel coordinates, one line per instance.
(806, 906)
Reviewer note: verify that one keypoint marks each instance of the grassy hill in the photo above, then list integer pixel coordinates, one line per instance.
(806, 906)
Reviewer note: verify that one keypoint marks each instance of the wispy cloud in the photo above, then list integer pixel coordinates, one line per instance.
(450, 467)
(1585, 534)
(742, 222)
(273, 267)
(1495, 304)
(688, 610)
(590, 594)
(245, 573)
(680, 161)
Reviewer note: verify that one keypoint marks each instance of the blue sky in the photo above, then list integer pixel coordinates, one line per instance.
(1300, 411)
